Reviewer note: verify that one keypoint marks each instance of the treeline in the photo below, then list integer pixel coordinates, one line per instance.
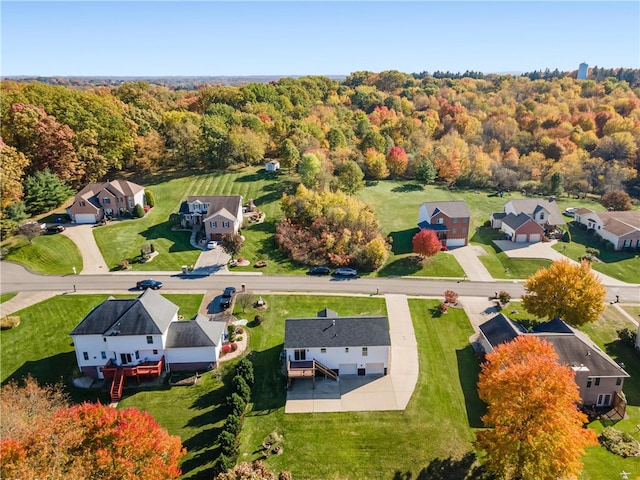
(504, 132)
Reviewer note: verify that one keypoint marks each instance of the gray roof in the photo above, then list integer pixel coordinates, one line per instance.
(327, 313)
(533, 205)
(336, 332)
(149, 314)
(199, 332)
(452, 208)
(116, 187)
(516, 221)
(231, 203)
(500, 329)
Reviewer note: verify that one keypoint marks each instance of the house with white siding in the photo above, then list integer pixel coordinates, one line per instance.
(528, 219)
(622, 229)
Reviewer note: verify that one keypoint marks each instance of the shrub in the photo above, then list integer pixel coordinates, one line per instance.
(258, 319)
(222, 464)
(231, 331)
(241, 387)
(620, 443)
(234, 346)
(228, 444)
(566, 236)
(233, 424)
(504, 297)
(593, 252)
(138, 211)
(608, 245)
(7, 322)
(146, 208)
(450, 296)
(443, 308)
(245, 370)
(226, 348)
(149, 198)
(236, 404)
(628, 336)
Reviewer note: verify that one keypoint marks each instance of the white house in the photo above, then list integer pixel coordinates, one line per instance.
(528, 219)
(622, 229)
(142, 337)
(328, 344)
(272, 166)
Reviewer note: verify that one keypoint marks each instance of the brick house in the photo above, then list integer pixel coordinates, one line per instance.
(450, 220)
(97, 200)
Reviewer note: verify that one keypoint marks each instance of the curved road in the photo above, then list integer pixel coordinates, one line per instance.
(16, 278)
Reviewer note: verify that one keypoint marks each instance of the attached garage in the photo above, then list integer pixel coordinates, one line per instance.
(455, 242)
(85, 218)
(348, 369)
(534, 237)
(375, 368)
(521, 238)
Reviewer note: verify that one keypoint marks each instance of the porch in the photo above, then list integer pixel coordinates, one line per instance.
(119, 374)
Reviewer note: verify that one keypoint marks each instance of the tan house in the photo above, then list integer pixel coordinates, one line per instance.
(528, 219)
(622, 229)
(599, 378)
(450, 220)
(217, 215)
(97, 200)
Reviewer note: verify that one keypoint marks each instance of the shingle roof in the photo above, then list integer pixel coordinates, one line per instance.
(516, 221)
(225, 205)
(327, 313)
(199, 332)
(451, 208)
(149, 314)
(531, 205)
(424, 225)
(117, 187)
(336, 332)
(500, 329)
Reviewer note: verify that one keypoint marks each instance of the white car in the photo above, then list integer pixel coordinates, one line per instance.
(212, 244)
(570, 212)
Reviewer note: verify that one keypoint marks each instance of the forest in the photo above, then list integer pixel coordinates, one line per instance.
(541, 132)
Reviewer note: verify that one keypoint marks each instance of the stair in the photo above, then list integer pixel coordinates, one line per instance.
(117, 386)
(325, 370)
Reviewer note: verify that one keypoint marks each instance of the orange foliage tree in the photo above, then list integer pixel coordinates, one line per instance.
(93, 441)
(534, 429)
(571, 292)
(426, 244)
(397, 161)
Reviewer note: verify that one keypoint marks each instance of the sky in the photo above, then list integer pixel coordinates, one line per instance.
(237, 38)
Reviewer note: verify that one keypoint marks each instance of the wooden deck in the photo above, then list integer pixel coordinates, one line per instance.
(119, 374)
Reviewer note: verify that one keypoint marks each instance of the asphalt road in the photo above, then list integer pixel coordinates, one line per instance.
(16, 278)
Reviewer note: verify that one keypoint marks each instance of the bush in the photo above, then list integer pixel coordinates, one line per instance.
(241, 387)
(234, 346)
(258, 319)
(628, 336)
(233, 424)
(566, 236)
(593, 252)
(228, 444)
(226, 348)
(620, 443)
(443, 308)
(149, 198)
(608, 245)
(504, 297)
(236, 404)
(7, 322)
(450, 296)
(245, 370)
(231, 331)
(222, 464)
(138, 211)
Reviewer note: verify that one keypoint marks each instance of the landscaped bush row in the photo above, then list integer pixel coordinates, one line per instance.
(620, 443)
(228, 439)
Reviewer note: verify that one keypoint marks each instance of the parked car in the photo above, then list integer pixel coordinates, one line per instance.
(149, 283)
(212, 244)
(320, 270)
(346, 272)
(227, 297)
(55, 229)
(570, 212)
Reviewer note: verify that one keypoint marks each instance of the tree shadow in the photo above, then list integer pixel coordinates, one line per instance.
(468, 371)
(408, 187)
(402, 267)
(269, 389)
(626, 355)
(402, 241)
(465, 468)
(181, 239)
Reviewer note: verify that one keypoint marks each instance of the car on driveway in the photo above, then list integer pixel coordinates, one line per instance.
(212, 244)
(320, 270)
(55, 229)
(227, 297)
(570, 212)
(149, 283)
(346, 272)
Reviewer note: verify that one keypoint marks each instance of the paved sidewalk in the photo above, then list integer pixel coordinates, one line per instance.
(24, 300)
(467, 257)
(82, 236)
(624, 312)
(354, 393)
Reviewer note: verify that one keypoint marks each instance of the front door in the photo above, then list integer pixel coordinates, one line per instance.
(125, 358)
(300, 354)
(604, 400)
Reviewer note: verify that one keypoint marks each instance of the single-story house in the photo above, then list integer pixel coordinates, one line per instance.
(272, 166)
(527, 220)
(142, 337)
(217, 215)
(450, 220)
(97, 200)
(622, 229)
(334, 346)
(599, 378)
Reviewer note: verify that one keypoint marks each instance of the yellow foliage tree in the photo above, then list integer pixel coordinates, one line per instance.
(571, 292)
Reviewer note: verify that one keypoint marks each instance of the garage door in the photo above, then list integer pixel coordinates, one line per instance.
(85, 218)
(375, 368)
(521, 237)
(455, 242)
(348, 368)
(534, 237)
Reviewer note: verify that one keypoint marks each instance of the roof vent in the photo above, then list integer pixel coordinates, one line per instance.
(588, 353)
(333, 323)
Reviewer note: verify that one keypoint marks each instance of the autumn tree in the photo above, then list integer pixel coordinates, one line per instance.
(617, 200)
(252, 471)
(397, 161)
(571, 292)
(426, 243)
(12, 166)
(232, 243)
(289, 155)
(376, 164)
(309, 169)
(534, 429)
(350, 177)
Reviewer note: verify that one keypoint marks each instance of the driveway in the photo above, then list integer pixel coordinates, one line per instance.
(82, 236)
(354, 393)
(467, 257)
(544, 250)
(212, 261)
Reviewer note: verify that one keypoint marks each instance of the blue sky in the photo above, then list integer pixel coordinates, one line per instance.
(151, 38)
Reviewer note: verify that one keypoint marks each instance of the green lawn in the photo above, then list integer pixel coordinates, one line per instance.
(624, 266)
(48, 254)
(5, 297)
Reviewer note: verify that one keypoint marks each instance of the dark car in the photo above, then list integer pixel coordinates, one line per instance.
(148, 283)
(55, 229)
(322, 270)
(346, 272)
(227, 297)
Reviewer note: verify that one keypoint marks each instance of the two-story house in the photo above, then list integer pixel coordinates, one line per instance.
(97, 200)
(333, 346)
(622, 229)
(450, 220)
(599, 378)
(528, 219)
(216, 214)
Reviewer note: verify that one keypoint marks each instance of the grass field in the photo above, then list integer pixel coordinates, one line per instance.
(5, 297)
(48, 254)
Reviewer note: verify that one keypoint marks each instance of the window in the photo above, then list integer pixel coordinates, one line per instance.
(155, 352)
(213, 224)
(455, 230)
(121, 200)
(104, 339)
(455, 220)
(464, 220)
(103, 355)
(346, 349)
(589, 383)
(106, 201)
(365, 351)
(464, 229)
(137, 355)
(82, 204)
(440, 221)
(323, 350)
(149, 339)
(225, 224)
(618, 381)
(597, 381)
(85, 355)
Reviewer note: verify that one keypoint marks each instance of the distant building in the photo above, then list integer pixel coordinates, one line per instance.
(583, 69)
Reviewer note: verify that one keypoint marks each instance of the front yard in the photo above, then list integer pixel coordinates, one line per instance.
(48, 254)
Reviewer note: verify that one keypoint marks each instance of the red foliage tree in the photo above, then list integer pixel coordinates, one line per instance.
(450, 296)
(426, 244)
(397, 161)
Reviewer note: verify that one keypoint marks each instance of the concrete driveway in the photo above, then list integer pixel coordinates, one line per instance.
(212, 261)
(354, 393)
(467, 257)
(82, 236)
